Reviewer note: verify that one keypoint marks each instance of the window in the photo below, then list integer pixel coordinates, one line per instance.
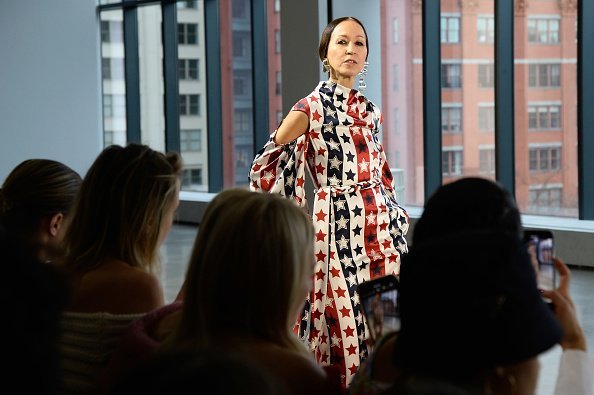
(544, 158)
(189, 104)
(242, 121)
(486, 160)
(112, 32)
(114, 106)
(546, 196)
(277, 41)
(278, 83)
(450, 29)
(239, 9)
(191, 178)
(543, 30)
(451, 119)
(187, 33)
(241, 44)
(279, 117)
(485, 26)
(396, 115)
(395, 77)
(239, 85)
(187, 4)
(106, 68)
(451, 75)
(451, 164)
(276, 6)
(544, 117)
(188, 69)
(486, 118)
(486, 75)
(190, 140)
(395, 30)
(544, 75)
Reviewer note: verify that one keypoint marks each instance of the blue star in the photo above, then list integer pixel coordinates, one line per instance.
(345, 138)
(358, 249)
(350, 175)
(357, 211)
(350, 156)
(357, 230)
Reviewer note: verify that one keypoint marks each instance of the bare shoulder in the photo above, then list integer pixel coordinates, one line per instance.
(293, 126)
(117, 288)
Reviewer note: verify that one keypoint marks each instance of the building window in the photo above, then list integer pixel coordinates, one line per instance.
(190, 140)
(114, 106)
(451, 76)
(543, 30)
(451, 164)
(240, 85)
(187, 4)
(239, 9)
(486, 160)
(486, 118)
(187, 33)
(112, 32)
(277, 6)
(543, 159)
(278, 83)
(544, 117)
(277, 41)
(279, 117)
(485, 26)
(545, 196)
(451, 119)
(242, 121)
(240, 44)
(106, 68)
(188, 69)
(189, 104)
(544, 75)
(395, 85)
(486, 74)
(395, 30)
(396, 114)
(191, 178)
(450, 29)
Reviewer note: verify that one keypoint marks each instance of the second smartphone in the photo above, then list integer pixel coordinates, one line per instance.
(379, 299)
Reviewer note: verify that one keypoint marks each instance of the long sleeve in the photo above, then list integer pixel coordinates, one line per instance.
(281, 169)
(575, 374)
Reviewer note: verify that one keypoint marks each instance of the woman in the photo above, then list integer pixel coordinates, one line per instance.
(359, 225)
(243, 299)
(35, 203)
(122, 214)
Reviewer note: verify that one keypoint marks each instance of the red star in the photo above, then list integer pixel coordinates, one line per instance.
(299, 146)
(320, 256)
(320, 235)
(351, 349)
(349, 332)
(316, 116)
(320, 274)
(320, 169)
(323, 338)
(331, 254)
(313, 134)
(321, 151)
(300, 182)
(340, 292)
(315, 315)
(353, 369)
(319, 294)
(324, 358)
(322, 195)
(320, 216)
(313, 98)
(345, 311)
(335, 272)
(383, 226)
(256, 167)
(387, 244)
(375, 154)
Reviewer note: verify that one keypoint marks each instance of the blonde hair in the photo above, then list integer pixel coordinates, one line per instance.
(120, 207)
(245, 274)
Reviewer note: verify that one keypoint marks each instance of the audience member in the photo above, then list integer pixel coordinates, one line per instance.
(122, 215)
(249, 272)
(35, 202)
(493, 325)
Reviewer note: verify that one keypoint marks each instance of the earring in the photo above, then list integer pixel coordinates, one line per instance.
(326, 65)
(362, 74)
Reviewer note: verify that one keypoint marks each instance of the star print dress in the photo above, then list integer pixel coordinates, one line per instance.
(359, 225)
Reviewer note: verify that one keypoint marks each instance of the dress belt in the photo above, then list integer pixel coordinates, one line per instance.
(336, 190)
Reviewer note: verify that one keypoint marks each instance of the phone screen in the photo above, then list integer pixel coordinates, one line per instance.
(540, 245)
(379, 299)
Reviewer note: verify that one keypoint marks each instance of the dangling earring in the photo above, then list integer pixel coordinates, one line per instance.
(326, 65)
(362, 74)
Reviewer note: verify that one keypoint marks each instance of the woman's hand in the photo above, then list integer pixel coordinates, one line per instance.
(564, 309)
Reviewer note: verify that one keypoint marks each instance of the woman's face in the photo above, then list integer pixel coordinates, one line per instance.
(347, 50)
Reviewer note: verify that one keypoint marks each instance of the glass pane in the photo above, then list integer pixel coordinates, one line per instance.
(401, 95)
(150, 56)
(546, 109)
(192, 94)
(275, 78)
(113, 79)
(468, 87)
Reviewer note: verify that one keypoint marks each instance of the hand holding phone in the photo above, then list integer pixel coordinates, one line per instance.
(379, 301)
(540, 246)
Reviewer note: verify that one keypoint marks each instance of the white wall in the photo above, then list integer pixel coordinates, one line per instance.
(50, 92)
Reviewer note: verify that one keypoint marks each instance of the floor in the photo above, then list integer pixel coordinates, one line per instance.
(178, 247)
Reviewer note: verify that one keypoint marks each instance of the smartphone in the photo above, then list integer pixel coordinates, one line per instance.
(541, 248)
(379, 301)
